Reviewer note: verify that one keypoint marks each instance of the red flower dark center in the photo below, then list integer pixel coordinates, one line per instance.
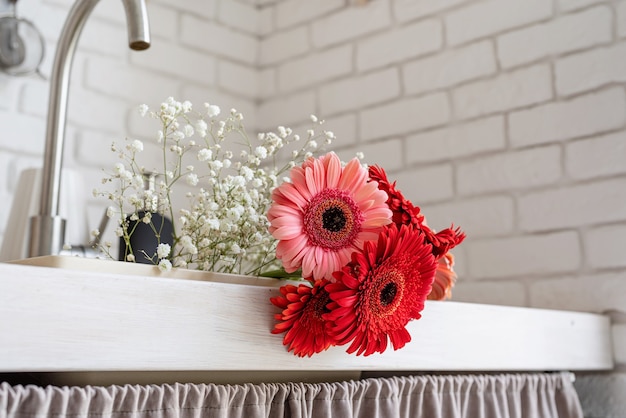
(385, 291)
(332, 219)
(388, 294)
(315, 308)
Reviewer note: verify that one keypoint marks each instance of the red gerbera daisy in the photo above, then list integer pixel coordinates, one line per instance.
(444, 240)
(303, 307)
(403, 211)
(380, 290)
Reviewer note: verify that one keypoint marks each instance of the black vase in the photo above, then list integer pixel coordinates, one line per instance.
(143, 238)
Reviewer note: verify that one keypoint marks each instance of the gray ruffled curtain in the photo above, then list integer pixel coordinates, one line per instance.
(548, 395)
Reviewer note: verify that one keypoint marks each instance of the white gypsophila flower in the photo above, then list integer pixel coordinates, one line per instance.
(205, 154)
(165, 265)
(213, 224)
(180, 262)
(136, 145)
(192, 179)
(110, 212)
(201, 125)
(119, 168)
(282, 131)
(163, 250)
(212, 110)
(143, 109)
(224, 227)
(178, 136)
(247, 173)
(130, 258)
(313, 118)
(261, 152)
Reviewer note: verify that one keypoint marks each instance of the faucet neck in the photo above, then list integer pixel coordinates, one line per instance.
(57, 105)
(41, 242)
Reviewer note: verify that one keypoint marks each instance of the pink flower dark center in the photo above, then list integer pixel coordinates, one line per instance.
(332, 219)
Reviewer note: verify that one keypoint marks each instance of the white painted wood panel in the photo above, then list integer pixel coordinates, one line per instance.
(72, 319)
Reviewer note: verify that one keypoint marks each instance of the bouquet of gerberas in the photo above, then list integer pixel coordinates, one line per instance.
(363, 252)
(368, 257)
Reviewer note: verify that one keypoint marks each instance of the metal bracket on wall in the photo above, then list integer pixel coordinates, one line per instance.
(22, 47)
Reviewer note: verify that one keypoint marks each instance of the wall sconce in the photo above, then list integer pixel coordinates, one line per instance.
(21, 44)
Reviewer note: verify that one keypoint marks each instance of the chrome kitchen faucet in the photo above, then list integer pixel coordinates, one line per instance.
(47, 229)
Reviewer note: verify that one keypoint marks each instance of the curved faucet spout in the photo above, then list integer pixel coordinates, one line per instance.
(137, 21)
(47, 229)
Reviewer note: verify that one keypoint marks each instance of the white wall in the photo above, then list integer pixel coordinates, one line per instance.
(507, 117)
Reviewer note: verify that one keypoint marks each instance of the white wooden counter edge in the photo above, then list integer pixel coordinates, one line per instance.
(70, 319)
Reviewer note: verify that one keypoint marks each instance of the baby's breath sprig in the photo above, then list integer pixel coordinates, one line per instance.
(229, 177)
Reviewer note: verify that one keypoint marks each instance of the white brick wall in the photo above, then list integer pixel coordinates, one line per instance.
(559, 36)
(404, 116)
(456, 141)
(510, 170)
(340, 26)
(521, 256)
(315, 68)
(450, 67)
(582, 116)
(355, 92)
(426, 36)
(573, 206)
(591, 69)
(581, 157)
(599, 255)
(507, 117)
(487, 18)
(507, 91)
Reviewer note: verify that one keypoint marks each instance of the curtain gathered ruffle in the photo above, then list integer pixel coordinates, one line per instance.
(545, 395)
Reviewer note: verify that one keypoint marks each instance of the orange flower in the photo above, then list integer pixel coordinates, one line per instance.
(380, 291)
(445, 277)
(301, 318)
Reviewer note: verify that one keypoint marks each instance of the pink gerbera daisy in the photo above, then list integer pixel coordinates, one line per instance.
(324, 214)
